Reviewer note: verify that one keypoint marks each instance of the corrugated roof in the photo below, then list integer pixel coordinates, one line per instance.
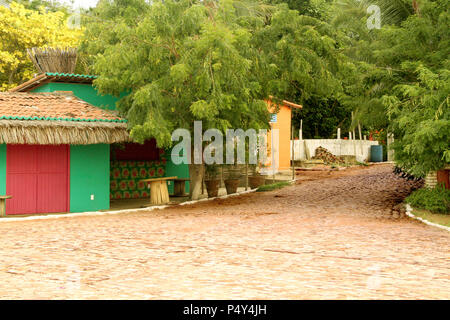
(54, 106)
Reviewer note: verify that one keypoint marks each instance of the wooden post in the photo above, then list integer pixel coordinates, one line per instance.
(300, 132)
(3, 205)
(159, 193)
(338, 133)
(273, 155)
(359, 129)
(390, 152)
(246, 176)
(353, 132)
(307, 154)
(292, 156)
(203, 185)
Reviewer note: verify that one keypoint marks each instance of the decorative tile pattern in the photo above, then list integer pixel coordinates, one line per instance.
(126, 177)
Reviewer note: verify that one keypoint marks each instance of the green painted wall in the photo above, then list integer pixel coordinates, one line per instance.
(88, 93)
(2, 169)
(180, 171)
(89, 175)
(85, 92)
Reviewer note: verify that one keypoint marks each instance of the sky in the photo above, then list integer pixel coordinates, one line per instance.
(81, 3)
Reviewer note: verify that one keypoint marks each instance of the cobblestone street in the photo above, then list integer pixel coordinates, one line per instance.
(330, 238)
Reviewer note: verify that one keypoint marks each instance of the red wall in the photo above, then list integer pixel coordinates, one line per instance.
(38, 179)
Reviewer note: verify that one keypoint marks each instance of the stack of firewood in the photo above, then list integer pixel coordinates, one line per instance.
(326, 156)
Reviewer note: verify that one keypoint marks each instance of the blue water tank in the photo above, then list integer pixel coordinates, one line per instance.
(376, 153)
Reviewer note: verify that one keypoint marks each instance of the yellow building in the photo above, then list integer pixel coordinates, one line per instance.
(280, 120)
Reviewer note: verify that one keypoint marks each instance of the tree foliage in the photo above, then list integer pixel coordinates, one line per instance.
(212, 61)
(36, 5)
(419, 104)
(181, 61)
(216, 62)
(402, 80)
(21, 28)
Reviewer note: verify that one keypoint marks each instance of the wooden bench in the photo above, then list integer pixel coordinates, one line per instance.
(3, 205)
(179, 187)
(159, 194)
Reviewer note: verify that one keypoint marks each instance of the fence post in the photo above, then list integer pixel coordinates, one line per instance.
(292, 156)
(300, 132)
(390, 152)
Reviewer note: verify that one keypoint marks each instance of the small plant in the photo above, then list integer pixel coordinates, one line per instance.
(273, 186)
(432, 199)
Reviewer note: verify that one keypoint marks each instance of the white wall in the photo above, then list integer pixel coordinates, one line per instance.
(338, 147)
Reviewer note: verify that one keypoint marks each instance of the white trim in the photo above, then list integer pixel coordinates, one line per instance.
(411, 215)
(101, 213)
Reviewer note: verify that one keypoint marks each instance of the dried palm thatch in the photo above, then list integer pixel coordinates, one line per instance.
(60, 60)
(61, 132)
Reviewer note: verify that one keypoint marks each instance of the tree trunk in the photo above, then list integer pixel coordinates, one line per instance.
(196, 178)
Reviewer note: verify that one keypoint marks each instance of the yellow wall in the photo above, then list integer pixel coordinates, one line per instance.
(283, 124)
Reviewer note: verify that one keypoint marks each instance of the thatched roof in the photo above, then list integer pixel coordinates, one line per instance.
(61, 132)
(56, 118)
(61, 60)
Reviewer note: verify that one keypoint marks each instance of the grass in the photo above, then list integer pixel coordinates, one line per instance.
(442, 219)
(273, 186)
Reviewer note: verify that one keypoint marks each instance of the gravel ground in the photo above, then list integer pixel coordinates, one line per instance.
(338, 235)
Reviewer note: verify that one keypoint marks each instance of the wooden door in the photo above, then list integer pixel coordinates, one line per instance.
(38, 179)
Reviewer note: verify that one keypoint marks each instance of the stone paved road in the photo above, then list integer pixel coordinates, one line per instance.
(322, 239)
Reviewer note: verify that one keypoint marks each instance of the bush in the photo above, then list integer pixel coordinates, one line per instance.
(435, 200)
(273, 186)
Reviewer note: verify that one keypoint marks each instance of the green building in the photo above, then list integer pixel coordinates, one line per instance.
(75, 154)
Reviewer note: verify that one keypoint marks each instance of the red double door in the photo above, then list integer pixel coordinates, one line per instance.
(38, 179)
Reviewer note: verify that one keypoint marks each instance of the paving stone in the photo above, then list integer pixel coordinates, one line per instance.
(324, 238)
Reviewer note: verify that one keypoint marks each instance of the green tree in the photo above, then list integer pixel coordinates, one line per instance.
(312, 8)
(309, 68)
(212, 61)
(402, 78)
(21, 29)
(181, 61)
(418, 105)
(49, 5)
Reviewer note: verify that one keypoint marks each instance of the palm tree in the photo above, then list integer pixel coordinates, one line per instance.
(392, 11)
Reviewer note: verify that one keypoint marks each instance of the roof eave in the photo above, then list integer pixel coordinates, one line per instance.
(289, 104)
(49, 77)
(38, 80)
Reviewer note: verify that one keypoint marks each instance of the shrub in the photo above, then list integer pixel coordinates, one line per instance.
(435, 200)
(273, 186)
